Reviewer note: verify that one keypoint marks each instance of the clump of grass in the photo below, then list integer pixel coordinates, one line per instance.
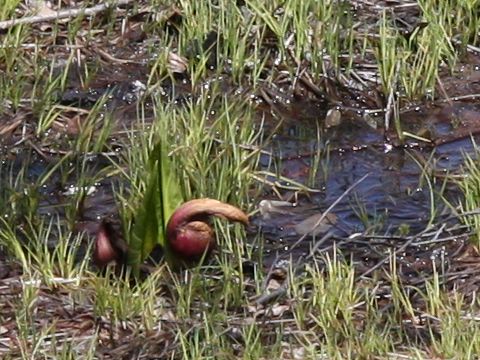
(471, 189)
(8, 8)
(120, 301)
(410, 64)
(339, 316)
(38, 255)
(215, 147)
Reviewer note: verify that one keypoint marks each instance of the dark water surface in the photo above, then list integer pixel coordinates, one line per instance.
(406, 186)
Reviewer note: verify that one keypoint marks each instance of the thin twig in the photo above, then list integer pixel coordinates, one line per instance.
(399, 250)
(63, 14)
(324, 215)
(268, 297)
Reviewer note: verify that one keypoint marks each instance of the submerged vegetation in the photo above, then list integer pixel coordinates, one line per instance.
(87, 97)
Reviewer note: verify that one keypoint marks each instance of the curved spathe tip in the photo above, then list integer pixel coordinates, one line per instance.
(188, 232)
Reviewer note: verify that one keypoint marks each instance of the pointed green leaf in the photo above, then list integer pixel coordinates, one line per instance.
(162, 196)
(146, 230)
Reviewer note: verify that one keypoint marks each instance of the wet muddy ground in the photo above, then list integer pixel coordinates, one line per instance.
(406, 190)
(389, 212)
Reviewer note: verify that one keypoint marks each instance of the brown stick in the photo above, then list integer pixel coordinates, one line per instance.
(63, 14)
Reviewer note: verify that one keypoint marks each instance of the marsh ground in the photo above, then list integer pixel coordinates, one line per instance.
(365, 109)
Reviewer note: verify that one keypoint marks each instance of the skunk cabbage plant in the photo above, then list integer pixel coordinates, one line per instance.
(182, 230)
